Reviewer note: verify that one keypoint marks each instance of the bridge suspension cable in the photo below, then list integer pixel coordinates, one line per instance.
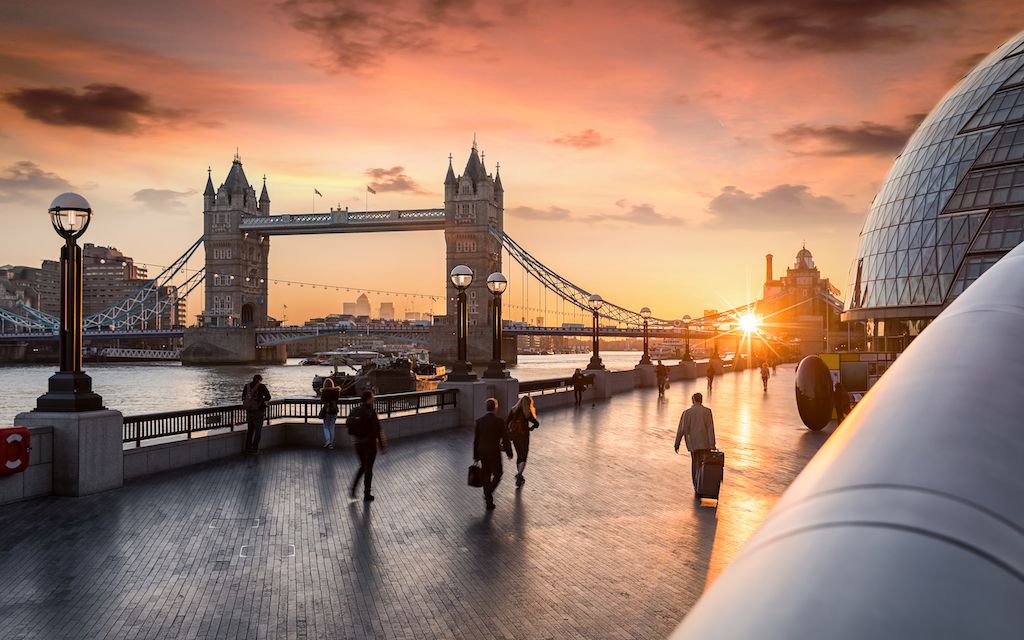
(560, 286)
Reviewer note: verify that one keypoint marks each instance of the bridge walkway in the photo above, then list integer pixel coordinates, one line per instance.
(604, 541)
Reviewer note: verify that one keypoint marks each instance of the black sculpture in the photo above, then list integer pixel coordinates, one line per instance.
(814, 393)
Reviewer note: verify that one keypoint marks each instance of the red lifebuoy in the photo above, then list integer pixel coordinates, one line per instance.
(14, 450)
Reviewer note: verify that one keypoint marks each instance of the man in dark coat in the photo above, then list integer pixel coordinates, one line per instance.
(490, 439)
(697, 428)
(254, 400)
(364, 427)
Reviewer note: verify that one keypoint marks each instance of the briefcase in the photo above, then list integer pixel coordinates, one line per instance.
(709, 474)
(475, 476)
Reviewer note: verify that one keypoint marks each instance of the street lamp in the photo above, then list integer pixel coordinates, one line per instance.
(496, 284)
(70, 389)
(462, 276)
(595, 302)
(686, 333)
(645, 313)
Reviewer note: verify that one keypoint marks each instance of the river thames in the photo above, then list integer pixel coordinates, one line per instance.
(136, 388)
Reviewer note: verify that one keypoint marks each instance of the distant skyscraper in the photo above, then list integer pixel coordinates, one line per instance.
(349, 309)
(387, 311)
(363, 307)
(412, 316)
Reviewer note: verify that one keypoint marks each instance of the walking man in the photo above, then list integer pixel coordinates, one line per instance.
(579, 385)
(364, 427)
(661, 372)
(711, 375)
(254, 400)
(697, 428)
(490, 439)
(764, 374)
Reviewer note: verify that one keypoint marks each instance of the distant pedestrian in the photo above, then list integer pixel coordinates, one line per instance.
(364, 427)
(489, 440)
(330, 394)
(254, 400)
(697, 428)
(711, 375)
(661, 372)
(765, 374)
(841, 400)
(775, 363)
(522, 419)
(579, 385)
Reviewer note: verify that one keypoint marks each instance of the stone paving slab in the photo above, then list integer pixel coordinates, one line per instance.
(604, 541)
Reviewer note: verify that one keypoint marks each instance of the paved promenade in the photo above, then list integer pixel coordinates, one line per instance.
(604, 541)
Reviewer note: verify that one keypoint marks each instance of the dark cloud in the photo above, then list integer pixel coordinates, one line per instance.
(26, 180)
(530, 213)
(104, 107)
(358, 33)
(786, 207)
(866, 138)
(638, 214)
(586, 139)
(164, 200)
(393, 179)
(824, 26)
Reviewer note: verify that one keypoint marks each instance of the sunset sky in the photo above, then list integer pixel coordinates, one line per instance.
(652, 151)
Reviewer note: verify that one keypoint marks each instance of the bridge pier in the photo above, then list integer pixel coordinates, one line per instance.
(228, 345)
(479, 348)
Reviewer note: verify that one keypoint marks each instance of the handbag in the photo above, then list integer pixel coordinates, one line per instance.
(475, 476)
(323, 412)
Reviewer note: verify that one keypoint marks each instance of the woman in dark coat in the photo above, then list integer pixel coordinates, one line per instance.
(522, 419)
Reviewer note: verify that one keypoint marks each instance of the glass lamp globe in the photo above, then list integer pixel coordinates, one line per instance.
(595, 301)
(461, 276)
(686, 319)
(70, 215)
(497, 283)
(645, 313)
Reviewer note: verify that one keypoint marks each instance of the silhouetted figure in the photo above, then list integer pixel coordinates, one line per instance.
(330, 394)
(579, 385)
(661, 372)
(489, 440)
(254, 400)
(522, 419)
(364, 427)
(841, 400)
(775, 363)
(764, 375)
(711, 375)
(697, 428)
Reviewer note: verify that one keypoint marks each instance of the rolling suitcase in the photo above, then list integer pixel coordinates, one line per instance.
(709, 475)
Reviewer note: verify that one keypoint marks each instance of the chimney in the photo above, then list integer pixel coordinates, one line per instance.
(768, 269)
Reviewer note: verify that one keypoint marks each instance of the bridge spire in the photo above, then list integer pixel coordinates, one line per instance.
(497, 178)
(450, 178)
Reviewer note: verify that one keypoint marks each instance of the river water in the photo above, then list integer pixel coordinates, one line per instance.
(136, 388)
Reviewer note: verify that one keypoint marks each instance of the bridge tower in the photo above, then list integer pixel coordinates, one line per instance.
(474, 204)
(236, 276)
(236, 262)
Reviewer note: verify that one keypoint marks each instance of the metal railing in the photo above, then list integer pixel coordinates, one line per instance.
(545, 387)
(192, 422)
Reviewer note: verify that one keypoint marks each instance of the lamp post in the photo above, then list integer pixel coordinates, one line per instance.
(462, 276)
(714, 340)
(595, 302)
(496, 284)
(70, 389)
(686, 333)
(645, 313)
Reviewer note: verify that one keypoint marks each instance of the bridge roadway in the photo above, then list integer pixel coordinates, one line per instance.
(277, 335)
(604, 541)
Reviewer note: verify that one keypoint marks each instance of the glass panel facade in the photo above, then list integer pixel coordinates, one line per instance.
(1003, 231)
(1006, 146)
(938, 193)
(989, 187)
(1005, 106)
(973, 267)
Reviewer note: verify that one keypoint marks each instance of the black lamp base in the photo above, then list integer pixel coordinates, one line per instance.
(462, 372)
(69, 391)
(595, 363)
(496, 369)
(646, 359)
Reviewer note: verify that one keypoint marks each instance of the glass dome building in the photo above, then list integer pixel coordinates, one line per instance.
(950, 207)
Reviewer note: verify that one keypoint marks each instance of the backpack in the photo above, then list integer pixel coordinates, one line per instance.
(250, 398)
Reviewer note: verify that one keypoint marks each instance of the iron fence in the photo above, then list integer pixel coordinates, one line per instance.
(545, 387)
(192, 422)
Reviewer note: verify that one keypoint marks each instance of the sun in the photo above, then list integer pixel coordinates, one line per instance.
(749, 323)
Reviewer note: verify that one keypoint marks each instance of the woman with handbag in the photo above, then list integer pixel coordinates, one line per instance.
(330, 395)
(522, 419)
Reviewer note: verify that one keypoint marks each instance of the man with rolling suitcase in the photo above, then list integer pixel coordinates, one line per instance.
(697, 428)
